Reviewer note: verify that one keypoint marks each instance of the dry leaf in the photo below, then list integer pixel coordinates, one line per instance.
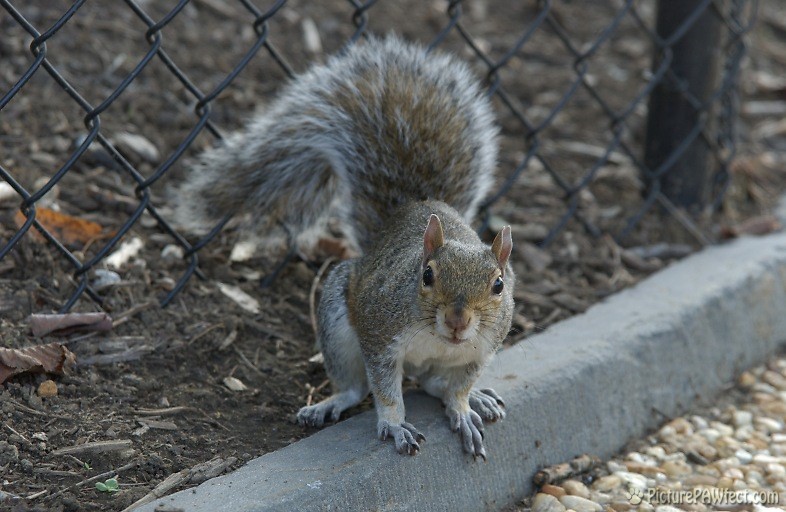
(761, 225)
(67, 229)
(49, 358)
(234, 384)
(240, 297)
(129, 249)
(42, 325)
(336, 247)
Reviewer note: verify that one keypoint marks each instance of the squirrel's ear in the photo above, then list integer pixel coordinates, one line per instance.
(433, 239)
(502, 246)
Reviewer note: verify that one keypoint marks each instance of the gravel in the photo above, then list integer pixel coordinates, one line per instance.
(728, 457)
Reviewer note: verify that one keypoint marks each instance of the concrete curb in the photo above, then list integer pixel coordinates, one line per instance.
(587, 385)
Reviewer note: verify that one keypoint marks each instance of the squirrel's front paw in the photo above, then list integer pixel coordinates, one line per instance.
(404, 435)
(487, 403)
(469, 425)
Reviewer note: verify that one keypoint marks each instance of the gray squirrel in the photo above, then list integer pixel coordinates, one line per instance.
(398, 144)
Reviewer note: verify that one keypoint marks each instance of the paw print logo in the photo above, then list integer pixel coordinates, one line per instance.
(633, 495)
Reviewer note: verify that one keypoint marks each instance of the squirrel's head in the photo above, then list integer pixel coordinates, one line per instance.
(466, 288)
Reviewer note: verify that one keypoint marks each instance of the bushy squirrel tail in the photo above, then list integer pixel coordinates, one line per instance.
(376, 127)
(291, 181)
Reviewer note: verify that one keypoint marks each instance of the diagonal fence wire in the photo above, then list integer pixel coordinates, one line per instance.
(714, 125)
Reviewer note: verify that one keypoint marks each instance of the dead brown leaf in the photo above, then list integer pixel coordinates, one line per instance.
(42, 325)
(67, 229)
(761, 225)
(49, 358)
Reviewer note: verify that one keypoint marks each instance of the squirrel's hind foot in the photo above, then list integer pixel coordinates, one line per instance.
(404, 435)
(487, 403)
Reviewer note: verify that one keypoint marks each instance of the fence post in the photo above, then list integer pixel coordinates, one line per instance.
(676, 106)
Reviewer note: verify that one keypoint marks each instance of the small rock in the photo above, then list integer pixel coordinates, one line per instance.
(576, 488)
(667, 433)
(744, 456)
(774, 379)
(643, 469)
(133, 145)
(7, 193)
(699, 423)
(676, 469)
(746, 380)
(763, 459)
(172, 251)
(681, 426)
(696, 480)
(47, 389)
(580, 504)
(8, 453)
(26, 465)
(546, 503)
(742, 418)
(722, 428)
(105, 278)
(234, 384)
(666, 508)
(656, 452)
(554, 490)
(632, 479)
(775, 469)
(607, 483)
(710, 434)
(768, 425)
(725, 482)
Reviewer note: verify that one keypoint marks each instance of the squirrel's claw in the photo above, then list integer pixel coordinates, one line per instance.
(487, 403)
(469, 425)
(405, 436)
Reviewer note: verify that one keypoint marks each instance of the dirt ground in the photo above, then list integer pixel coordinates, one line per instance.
(148, 399)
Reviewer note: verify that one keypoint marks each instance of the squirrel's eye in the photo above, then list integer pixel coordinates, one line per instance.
(428, 276)
(497, 287)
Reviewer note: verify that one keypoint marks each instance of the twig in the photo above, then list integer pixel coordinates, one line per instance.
(312, 295)
(9, 427)
(24, 407)
(126, 315)
(95, 447)
(163, 412)
(249, 363)
(203, 332)
(92, 479)
(312, 390)
(197, 474)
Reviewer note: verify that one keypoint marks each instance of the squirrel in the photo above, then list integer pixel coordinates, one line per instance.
(399, 144)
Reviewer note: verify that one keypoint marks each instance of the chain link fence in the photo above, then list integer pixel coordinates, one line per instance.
(653, 92)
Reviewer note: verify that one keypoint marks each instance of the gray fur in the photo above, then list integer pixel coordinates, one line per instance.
(330, 145)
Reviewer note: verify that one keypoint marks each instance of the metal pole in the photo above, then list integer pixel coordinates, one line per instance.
(677, 107)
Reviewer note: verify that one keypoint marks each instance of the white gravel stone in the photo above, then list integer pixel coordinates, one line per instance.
(666, 508)
(710, 434)
(580, 504)
(576, 488)
(739, 447)
(607, 483)
(743, 418)
(546, 503)
(743, 456)
(633, 479)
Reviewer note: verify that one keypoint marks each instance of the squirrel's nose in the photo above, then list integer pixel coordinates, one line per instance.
(457, 319)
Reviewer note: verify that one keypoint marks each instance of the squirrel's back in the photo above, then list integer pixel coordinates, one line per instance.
(380, 125)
